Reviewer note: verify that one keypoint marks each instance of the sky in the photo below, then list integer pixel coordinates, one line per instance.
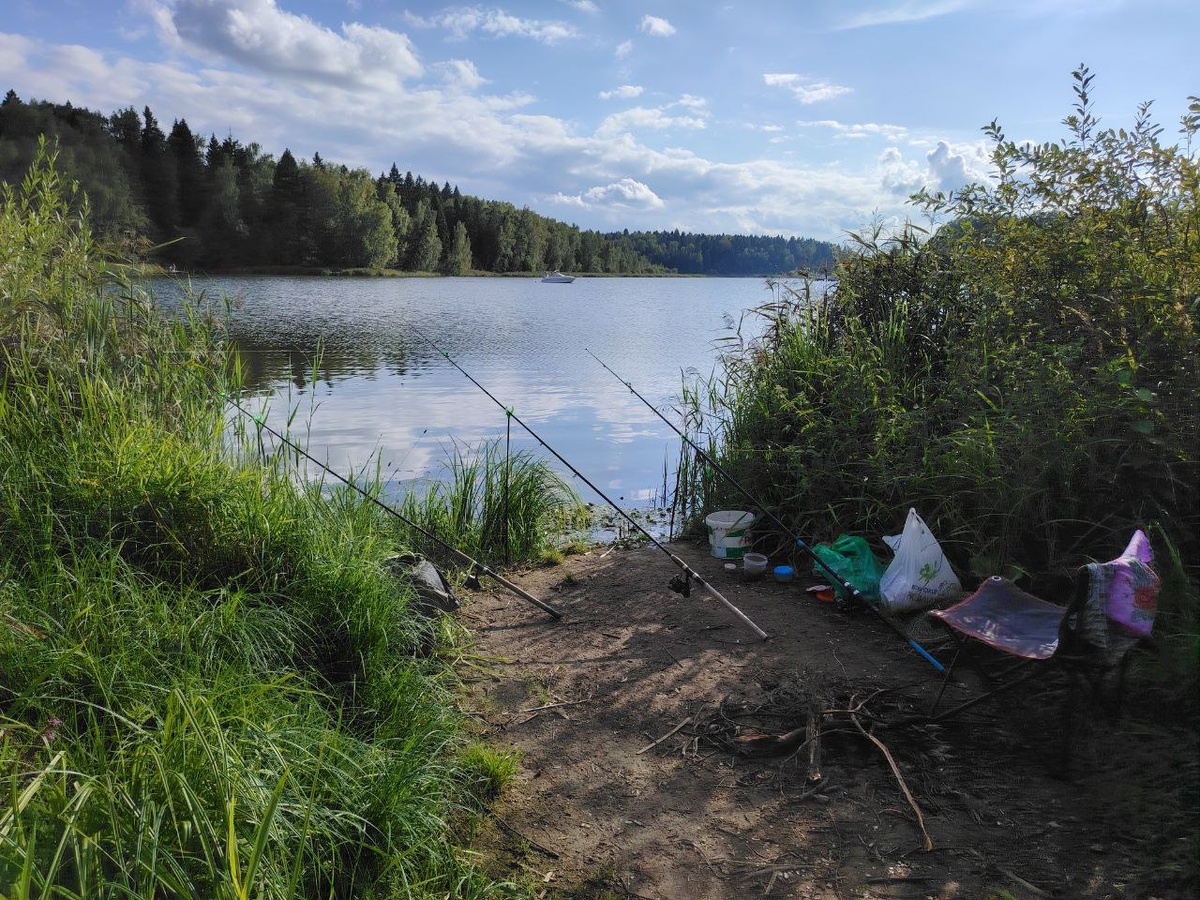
(807, 118)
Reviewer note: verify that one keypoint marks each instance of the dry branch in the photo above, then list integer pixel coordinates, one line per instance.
(664, 737)
(887, 754)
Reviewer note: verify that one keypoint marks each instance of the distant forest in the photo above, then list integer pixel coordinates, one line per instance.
(175, 198)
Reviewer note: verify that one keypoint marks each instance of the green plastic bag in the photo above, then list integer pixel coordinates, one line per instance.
(852, 559)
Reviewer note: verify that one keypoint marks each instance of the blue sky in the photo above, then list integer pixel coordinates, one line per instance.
(794, 117)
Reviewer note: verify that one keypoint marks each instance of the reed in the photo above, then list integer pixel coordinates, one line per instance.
(501, 509)
(210, 683)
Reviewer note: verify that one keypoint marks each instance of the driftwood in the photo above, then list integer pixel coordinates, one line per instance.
(758, 743)
(808, 735)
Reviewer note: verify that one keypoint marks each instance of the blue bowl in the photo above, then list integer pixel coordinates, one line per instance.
(783, 574)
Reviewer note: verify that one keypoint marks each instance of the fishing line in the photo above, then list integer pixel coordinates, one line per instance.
(475, 564)
(680, 582)
(854, 592)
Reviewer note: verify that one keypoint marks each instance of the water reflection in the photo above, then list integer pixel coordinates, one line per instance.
(352, 360)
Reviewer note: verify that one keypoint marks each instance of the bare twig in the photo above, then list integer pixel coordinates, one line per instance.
(795, 866)
(1036, 891)
(928, 844)
(545, 851)
(664, 737)
(555, 705)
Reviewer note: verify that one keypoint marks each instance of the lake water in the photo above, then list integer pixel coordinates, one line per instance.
(349, 355)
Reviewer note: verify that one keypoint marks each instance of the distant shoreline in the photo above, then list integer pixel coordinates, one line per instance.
(151, 269)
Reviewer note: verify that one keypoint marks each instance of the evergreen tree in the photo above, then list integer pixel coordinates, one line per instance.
(458, 258)
(159, 179)
(189, 168)
(424, 247)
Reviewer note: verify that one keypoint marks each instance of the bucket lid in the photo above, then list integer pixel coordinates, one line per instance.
(729, 518)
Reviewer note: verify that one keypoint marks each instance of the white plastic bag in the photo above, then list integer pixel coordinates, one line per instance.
(919, 575)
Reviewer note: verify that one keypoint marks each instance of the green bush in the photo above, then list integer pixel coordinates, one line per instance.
(1026, 375)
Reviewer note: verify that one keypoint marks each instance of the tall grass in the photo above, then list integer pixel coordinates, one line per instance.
(501, 509)
(209, 680)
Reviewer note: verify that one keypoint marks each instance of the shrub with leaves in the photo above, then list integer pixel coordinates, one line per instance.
(1026, 374)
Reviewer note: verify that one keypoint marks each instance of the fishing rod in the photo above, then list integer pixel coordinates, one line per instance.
(458, 554)
(678, 584)
(854, 592)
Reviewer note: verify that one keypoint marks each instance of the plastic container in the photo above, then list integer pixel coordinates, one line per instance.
(783, 574)
(730, 568)
(729, 532)
(754, 565)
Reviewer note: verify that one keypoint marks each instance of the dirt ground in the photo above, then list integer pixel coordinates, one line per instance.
(638, 719)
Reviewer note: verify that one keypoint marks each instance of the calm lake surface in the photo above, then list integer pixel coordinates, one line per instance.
(347, 353)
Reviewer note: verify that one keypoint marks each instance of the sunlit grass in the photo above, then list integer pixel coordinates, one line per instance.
(501, 509)
(210, 683)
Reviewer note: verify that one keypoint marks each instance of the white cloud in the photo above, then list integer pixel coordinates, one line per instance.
(623, 49)
(858, 130)
(906, 11)
(641, 117)
(584, 6)
(622, 194)
(952, 166)
(898, 176)
(461, 73)
(948, 169)
(806, 90)
(656, 27)
(260, 36)
(496, 22)
(624, 92)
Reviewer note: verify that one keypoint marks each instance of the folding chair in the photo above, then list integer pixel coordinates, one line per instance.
(1112, 609)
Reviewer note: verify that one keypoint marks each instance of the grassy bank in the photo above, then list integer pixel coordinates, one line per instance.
(210, 683)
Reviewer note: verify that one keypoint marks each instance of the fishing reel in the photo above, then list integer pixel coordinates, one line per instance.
(681, 584)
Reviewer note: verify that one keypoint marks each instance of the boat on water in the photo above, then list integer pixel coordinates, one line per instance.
(557, 277)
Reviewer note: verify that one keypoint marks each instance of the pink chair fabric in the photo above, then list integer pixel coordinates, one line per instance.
(1005, 617)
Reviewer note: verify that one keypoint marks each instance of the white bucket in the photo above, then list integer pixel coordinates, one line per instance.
(728, 532)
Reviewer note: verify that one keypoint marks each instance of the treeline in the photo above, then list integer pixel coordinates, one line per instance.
(174, 197)
(731, 254)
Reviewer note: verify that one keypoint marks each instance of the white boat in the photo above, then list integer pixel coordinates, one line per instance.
(557, 277)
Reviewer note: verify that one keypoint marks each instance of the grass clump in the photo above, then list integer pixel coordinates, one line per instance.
(500, 508)
(486, 771)
(210, 684)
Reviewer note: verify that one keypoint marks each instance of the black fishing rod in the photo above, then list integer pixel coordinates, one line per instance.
(854, 592)
(681, 585)
(459, 554)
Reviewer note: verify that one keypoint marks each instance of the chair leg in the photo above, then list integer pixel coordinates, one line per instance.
(945, 680)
